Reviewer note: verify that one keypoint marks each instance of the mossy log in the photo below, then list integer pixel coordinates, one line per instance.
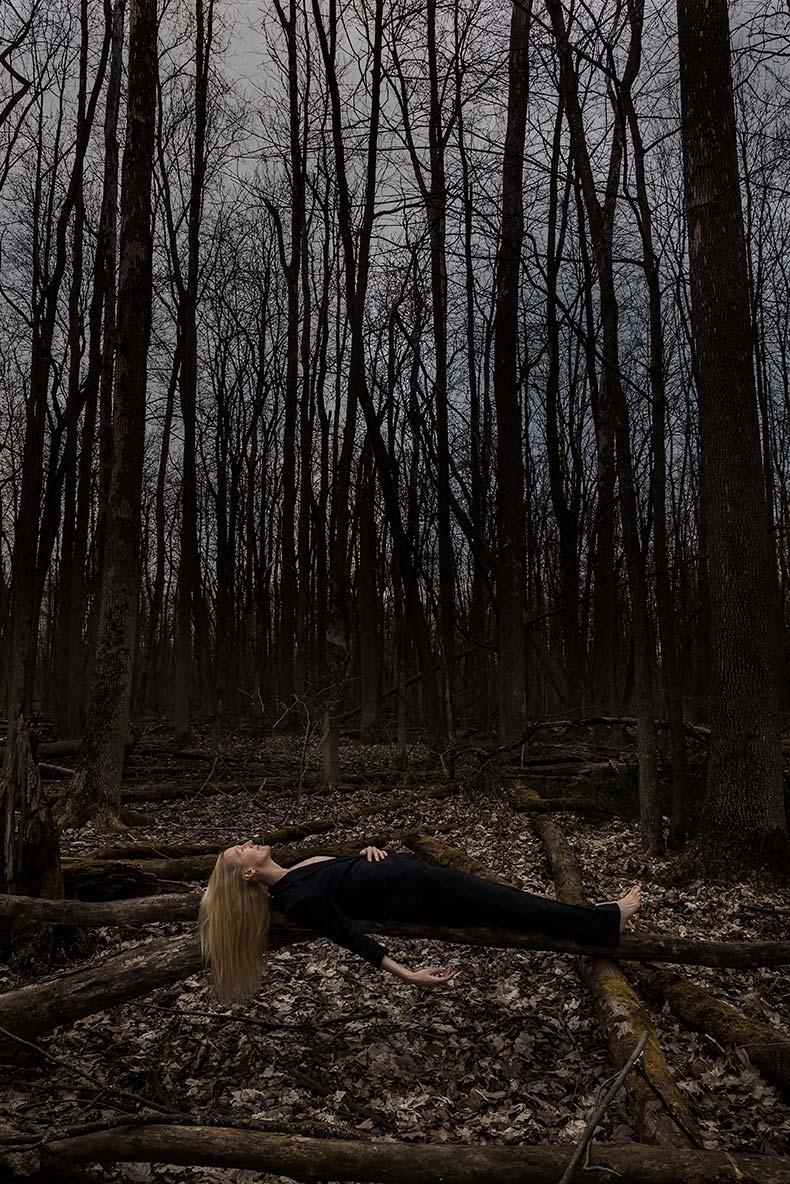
(441, 854)
(525, 799)
(559, 806)
(622, 1016)
(768, 1047)
(410, 1163)
(175, 852)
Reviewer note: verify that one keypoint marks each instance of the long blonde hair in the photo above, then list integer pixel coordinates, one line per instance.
(233, 921)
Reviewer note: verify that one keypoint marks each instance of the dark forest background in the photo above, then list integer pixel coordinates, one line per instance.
(421, 368)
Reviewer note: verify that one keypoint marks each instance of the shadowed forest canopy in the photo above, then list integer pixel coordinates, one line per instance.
(422, 369)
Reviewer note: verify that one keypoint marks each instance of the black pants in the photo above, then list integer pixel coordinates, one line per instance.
(424, 894)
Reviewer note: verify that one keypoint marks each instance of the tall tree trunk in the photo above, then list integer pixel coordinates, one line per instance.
(510, 554)
(436, 209)
(102, 297)
(190, 585)
(743, 825)
(96, 790)
(673, 686)
(615, 410)
(369, 659)
(565, 513)
(28, 557)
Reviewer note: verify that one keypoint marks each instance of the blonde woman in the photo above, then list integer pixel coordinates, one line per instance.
(323, 891)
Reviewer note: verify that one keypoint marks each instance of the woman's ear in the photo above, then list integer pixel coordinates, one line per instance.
(248, 873)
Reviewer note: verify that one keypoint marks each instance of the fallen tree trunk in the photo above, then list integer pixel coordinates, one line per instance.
(95, 879)
(435, 851)
(642, 947)
(768, 1047)
(39, 1007)
(622, 1017)
(89, 914)
(559, 805)
(84, 875)
(410, 1163)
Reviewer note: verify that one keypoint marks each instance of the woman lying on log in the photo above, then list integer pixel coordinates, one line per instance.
(321, 892)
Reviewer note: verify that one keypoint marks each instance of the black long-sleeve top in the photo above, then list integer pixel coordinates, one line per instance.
(322, 896)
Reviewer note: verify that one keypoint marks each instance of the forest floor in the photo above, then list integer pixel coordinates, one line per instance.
(508, 1053)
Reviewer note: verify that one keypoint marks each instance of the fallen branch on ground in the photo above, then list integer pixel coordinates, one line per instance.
(640, 947)
(768, 1047)
(40, 1007)
(409, 1163)
(600, 1110)
(622, 1017)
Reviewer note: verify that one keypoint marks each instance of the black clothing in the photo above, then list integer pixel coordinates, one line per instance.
(402, 887)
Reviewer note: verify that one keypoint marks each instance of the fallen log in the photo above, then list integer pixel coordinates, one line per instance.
(32, 1010)
(622, 1017)
(768, 1048)
(436, 851)
(410, 1163)
(89, 914)
(524, 799)
(559, 806)
(195, 861)
(95, 879)
(41, 1006)
(641, 947)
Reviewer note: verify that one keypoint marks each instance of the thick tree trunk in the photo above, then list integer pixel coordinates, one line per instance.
(435, 198)
(95, 793)
(410, 1163)
(743, 827)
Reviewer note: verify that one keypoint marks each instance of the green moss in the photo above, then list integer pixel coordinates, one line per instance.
(31, 944)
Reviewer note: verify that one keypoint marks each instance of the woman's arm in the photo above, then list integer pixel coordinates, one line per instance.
(401, 972)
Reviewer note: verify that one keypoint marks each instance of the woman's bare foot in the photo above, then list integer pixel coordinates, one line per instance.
(629, 904)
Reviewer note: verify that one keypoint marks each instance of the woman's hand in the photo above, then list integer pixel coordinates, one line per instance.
(432, 976)
(373, 853)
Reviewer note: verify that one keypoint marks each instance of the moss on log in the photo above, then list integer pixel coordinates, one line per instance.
(768, 1047)
(622, 1016)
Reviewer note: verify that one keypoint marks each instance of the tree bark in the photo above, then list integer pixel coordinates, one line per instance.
(95, 792)
(411, 1163)
(768, 1047)
(614, 407)
(190, 585)
(510, 506)
(743, 828)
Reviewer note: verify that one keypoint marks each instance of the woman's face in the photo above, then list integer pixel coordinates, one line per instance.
(248, 856)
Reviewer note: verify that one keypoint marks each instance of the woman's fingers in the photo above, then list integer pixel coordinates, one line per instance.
(373, 853)
(432, 976)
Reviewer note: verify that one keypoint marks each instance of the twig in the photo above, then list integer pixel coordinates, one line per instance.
(210, 774)
(267, 1024)
(600, 1109)
(275, 1126)
(679, 1123)
(75, 1069)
